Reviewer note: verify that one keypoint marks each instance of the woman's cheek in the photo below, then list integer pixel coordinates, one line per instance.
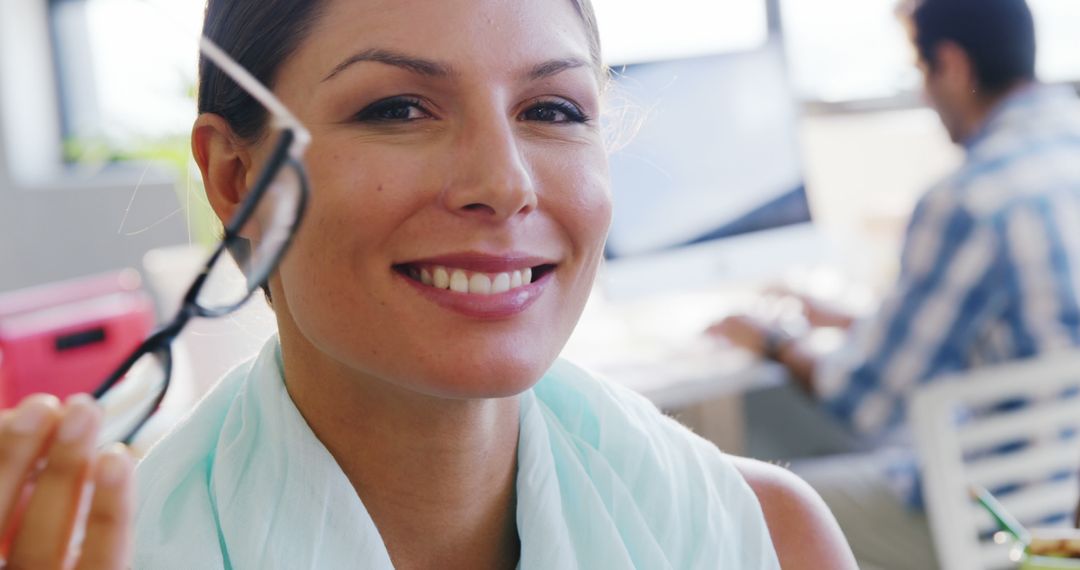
(365, 200)
(589, 201)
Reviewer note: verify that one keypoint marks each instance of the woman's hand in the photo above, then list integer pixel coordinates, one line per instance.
(63, 503)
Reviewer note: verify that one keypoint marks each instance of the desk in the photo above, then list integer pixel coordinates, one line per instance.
(689, 380)
(705, 393)
(657, 349)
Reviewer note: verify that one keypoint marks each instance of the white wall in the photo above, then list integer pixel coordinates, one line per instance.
(56, 224)
(68, 230)
(864, 172)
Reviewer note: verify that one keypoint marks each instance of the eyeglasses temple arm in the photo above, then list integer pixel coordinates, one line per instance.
(257, 90)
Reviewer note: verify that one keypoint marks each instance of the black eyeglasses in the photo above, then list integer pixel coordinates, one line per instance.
(257, 237)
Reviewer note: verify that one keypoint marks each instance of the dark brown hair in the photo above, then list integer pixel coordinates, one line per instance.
(997, 35)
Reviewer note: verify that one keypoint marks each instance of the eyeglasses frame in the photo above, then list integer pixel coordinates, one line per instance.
(287, 153)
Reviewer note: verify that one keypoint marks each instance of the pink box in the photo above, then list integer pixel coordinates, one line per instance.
(65, 338)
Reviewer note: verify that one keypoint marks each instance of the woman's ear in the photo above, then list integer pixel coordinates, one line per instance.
(224, 163)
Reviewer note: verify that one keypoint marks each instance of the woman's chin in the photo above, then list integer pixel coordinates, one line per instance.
(492, 378)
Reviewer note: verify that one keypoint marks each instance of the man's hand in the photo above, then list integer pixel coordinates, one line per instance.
(817, 312)
(822, 314)
(55, 485)
(743, 331)
(753, 335)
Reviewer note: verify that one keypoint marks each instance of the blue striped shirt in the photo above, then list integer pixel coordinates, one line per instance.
(989, 270)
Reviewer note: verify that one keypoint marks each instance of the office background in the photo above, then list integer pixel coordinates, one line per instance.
(96, 103)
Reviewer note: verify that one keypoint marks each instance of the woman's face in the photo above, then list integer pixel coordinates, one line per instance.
(456, 149)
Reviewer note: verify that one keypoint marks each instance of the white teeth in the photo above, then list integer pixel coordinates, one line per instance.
(459, 282)
(441, 278)
(480, 284)
(501, 284)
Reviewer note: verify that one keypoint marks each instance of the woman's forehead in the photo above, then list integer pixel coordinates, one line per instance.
(467, 35)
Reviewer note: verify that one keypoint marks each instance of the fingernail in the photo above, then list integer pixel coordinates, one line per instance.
(30, 417)
(80, 413)
(113, 465)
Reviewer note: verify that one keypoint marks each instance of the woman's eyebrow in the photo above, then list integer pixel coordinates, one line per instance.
(414, 64)
(553, 67)
(431, 68)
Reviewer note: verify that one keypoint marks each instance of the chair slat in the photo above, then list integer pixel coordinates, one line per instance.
(1039, 461)
(949, 458)
(1047, 420)
(1033, 504)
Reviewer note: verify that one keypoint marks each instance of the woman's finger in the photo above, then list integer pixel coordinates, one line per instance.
(42, 539)
(107, 544)
(24, 432)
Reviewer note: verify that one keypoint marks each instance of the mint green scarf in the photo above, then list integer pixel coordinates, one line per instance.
(604, 481)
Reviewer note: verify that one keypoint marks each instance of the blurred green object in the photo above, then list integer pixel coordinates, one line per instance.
(1028, 562)
(1026, 540)
(1002, 517)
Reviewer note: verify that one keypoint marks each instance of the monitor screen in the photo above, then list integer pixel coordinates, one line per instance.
(716, 153)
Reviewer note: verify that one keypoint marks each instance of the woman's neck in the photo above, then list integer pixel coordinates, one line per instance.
(436, 475)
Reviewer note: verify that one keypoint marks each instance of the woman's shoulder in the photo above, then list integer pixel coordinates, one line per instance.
(761, 503)
(803, 530)
(657, 480)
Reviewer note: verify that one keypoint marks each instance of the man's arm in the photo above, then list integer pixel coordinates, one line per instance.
(803, 530)
(926, 324)
(753, 334)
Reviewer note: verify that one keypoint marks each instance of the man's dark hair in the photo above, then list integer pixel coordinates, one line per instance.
(998, 36)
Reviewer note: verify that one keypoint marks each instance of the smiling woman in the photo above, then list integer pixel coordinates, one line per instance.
(411, 411)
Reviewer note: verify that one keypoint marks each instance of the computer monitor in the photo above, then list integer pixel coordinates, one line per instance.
(709, 190)
(716, 154)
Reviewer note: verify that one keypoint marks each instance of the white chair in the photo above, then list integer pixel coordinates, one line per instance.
(956, 429)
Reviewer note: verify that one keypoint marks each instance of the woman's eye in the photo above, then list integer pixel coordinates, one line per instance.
(554, 112)
(395, 109)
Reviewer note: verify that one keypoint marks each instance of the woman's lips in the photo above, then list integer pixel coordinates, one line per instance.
(479, 286)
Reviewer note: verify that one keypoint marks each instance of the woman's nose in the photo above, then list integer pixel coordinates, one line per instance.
(492, 177)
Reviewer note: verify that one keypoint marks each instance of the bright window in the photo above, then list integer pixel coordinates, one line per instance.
(127, 72)
(850, 50)
(127, 67)
(637, 31)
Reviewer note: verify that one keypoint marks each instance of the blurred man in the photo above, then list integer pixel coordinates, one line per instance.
(990, 268)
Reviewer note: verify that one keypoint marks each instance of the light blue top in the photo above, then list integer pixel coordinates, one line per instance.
(604, 481)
